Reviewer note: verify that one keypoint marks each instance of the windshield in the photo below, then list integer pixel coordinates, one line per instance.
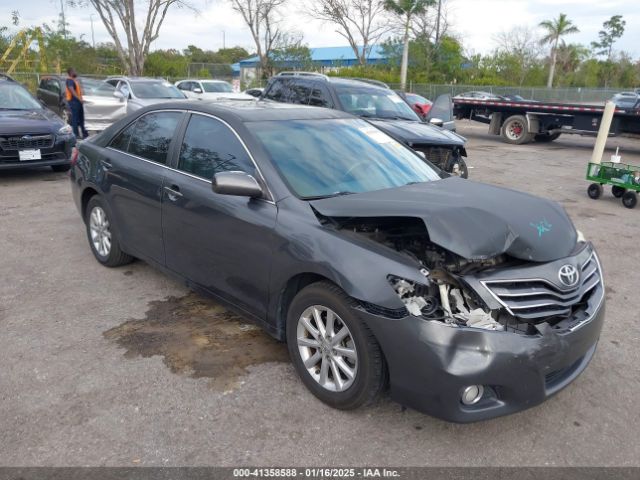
(15, 97)
(217, 87)
(155, 90)
(378, 103)
(320, 158)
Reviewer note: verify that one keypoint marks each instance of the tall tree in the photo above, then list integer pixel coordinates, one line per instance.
(140, 20)
(360, 22)
(521, 44)
(404, 11)
(263, 19)
(612, 30)
(554, 30)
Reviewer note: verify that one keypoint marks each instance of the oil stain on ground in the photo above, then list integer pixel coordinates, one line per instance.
(200, 338)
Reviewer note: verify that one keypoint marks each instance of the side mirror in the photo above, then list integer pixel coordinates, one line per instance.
(438, 122)
(240, 184)
(197, 90)
(119, 95)
(422, 154)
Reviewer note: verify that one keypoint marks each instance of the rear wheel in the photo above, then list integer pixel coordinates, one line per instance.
(515, 130)
(594, 191)
(546, 137)
(629, 199)
(335, 354)
(102, 235)
(618, 191)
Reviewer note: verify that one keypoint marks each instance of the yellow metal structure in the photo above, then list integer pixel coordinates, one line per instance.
(27, 37)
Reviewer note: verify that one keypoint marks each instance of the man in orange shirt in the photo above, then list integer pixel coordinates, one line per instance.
(74, 100)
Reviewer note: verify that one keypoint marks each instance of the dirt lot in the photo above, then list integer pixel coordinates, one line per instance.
(126, 367)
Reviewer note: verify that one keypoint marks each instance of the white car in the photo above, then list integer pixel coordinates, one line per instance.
(210, 90)
(140, 92)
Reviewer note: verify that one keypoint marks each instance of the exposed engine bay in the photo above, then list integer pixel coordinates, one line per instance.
(443, 297)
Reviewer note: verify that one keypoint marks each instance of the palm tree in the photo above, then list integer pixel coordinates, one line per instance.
(405, 10)
(555, 29)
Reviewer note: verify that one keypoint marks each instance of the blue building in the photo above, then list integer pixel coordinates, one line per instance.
(323, 59)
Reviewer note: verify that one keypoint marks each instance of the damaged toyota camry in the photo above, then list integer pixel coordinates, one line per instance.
(468, 301)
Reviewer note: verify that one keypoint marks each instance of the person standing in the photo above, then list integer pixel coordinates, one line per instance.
(74, 100)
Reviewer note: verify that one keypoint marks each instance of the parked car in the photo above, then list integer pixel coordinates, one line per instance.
(626, 100)
(31, 135)
(381, 107)
(101, 106)
(210, 90)
(418, 103)
(475, 301)
(142, 91)
(478, 95)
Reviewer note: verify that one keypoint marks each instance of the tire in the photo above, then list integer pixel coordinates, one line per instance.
(60, 168)
(594, 191)
(618, 191)
(515, 130)
(458, 168)
(365, 361)
(546, 138)
(629, 199)
(98, 230)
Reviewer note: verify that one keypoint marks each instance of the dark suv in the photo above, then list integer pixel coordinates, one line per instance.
(31, 135)
(380, 106)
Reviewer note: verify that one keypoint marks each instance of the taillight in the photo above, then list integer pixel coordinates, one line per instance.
(74, 156)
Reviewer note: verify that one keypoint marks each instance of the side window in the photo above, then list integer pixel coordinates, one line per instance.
(113, 82)
(121, 141)
(320, 97)
(209, 147)
(300, 92)
(152, 135)
(279, 91)
(54, 85)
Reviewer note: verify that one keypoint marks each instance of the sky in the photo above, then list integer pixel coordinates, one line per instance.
(475, 21)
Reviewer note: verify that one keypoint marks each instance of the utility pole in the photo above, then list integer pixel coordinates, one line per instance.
(438, 22)
(93, 37)
(64, 20)
(223, 40)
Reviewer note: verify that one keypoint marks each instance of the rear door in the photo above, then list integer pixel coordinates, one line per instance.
(221, 242)
(135, 167)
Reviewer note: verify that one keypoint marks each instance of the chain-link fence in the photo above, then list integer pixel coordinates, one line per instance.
(219, 71)
(563, 95)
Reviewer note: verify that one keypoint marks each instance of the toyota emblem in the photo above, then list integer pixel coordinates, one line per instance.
(568, 275)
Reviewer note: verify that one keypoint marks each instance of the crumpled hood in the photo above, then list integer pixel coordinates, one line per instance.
(13, 122)
(416, 133)
(470, 219)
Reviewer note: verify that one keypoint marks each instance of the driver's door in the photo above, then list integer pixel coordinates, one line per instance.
(223, 243)
(442, 109)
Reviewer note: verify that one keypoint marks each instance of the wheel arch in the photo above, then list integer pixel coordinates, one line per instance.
(87, 194)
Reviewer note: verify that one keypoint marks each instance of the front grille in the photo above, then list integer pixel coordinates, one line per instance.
(538, 299)
(436, 155)
(23, 142)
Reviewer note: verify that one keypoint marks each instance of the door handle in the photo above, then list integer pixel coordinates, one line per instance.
(106, 164)
(173, 192)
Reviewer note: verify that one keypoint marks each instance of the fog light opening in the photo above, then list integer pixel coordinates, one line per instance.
(472, 394)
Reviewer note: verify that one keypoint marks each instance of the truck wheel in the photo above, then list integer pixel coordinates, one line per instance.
(546, 138)
(515, 130)
(629, 199)
(618, 191)
(594, 191)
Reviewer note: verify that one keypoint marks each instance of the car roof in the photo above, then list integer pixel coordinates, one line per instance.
(341, 81)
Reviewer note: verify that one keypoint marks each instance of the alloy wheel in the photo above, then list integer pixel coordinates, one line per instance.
(100, 231)
(327, 348)
(515, 130)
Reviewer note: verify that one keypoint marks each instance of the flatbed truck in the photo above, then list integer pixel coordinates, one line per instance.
(520, 122)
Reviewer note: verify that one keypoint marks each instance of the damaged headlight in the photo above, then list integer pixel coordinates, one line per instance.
(442, 302)
(581, 237)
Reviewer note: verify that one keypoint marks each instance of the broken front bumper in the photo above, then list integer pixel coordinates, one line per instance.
(430, 364)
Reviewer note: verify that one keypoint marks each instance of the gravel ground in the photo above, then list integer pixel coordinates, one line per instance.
(125, 367)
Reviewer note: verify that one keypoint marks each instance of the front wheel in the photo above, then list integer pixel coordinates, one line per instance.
(629, 199)
(333, 351)
(594, 191)
(102, 235)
